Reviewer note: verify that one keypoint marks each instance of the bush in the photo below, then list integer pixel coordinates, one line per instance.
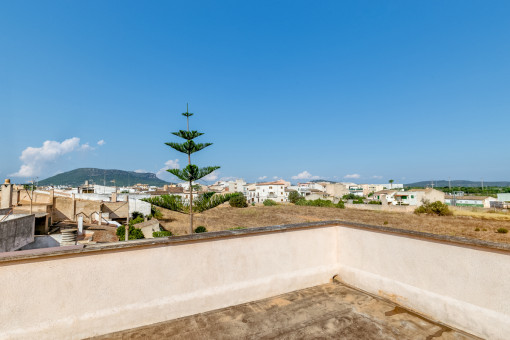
(340, 204)
(156, 213)
(136, 214)
(238, 201)
(350, 197)
(434, 208)
(270, 203)
(294, 196)
(316, 203)
(163, 233)
(375, 202)
(134, 233)
(252, 204)
(358, 200)
(385, 223)
(200, 229)
(137, 220)
(477, 229)
(502, 230)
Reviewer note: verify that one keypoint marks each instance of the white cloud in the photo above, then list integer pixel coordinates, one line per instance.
(352, 176)
(213, 176)
(141, 171)
(101, 142)
(262, 177)
(377, 177)
(170, 164)
(275, 177)
(305, 175)
(35, 159)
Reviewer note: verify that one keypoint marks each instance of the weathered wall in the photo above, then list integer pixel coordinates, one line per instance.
(462, 286)
(114, 290)
(102, 289)
(377, 207)
(16, 231)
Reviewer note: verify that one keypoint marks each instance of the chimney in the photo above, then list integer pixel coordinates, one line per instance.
(6, 194)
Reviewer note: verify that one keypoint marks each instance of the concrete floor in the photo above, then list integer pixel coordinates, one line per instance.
(331, 311)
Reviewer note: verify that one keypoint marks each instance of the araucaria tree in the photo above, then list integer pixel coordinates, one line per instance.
(191, 172)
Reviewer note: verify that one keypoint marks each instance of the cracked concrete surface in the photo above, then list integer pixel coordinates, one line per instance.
(330, 311)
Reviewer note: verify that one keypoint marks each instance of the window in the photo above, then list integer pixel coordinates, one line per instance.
(270, 187)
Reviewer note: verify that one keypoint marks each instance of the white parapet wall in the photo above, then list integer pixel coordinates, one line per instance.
(77, 292)
(464, 285)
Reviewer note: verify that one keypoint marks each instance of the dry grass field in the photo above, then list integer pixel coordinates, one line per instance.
(225, 217)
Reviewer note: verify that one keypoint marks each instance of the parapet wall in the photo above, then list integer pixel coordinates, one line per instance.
(97, 289)
(16, 231)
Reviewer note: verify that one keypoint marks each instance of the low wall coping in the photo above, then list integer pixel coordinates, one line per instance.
(209, 236)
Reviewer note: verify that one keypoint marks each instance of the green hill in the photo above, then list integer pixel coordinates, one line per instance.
(457, 183)
(100, 176)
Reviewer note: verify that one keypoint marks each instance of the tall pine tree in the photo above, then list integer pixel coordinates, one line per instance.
(191, 172)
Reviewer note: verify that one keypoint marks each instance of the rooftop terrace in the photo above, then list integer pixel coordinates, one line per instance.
(274, 278)
(329, 311)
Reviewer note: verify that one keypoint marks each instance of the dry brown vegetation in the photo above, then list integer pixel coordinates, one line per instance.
(225, 217)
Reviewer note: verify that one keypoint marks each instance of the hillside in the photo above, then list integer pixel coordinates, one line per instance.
(100, 176)
(457, 183)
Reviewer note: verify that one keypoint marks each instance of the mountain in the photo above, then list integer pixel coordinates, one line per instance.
(457, 183)
(99, 176)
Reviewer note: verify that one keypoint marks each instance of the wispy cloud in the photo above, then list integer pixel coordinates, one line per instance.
(262, 178)
(213, 176)
(377, 177)
(36, 159)
(305, 175)
(352, 176)
(141, 171)
(101, 142)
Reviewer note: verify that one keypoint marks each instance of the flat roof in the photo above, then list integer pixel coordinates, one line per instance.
(330, 311)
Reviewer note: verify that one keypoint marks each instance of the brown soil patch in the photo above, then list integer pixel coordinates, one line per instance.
(225, 217)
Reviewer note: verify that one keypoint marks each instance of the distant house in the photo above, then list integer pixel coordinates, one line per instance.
(470, 201)
(269, 190)
(387, 197)
(416, 197)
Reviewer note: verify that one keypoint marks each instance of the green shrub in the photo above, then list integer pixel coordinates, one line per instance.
(134, 233)
(358, 200)
(238, 201)
(137, 220)
(350, 197)
(252, 204)
(136, 214)
(477, 229)
(294, 196)
(502, 230)
(434, 208)
(316, 203)
(163, 233)
(385, 222)
(200, 229)
(375, 202)
(155, 212)
(340, 204)
(269, 203)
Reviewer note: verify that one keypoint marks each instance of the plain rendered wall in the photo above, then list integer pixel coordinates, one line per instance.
(86, 295)
(462, 286)
(92, 293)
(16, 231)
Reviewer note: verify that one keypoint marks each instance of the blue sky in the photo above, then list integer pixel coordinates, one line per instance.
(371, 90)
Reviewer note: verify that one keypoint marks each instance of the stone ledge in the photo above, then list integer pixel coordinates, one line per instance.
(209, 236)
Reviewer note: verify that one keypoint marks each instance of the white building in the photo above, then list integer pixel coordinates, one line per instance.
(416, 197)
(236, 186)
(268, 190)
(470, 201)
